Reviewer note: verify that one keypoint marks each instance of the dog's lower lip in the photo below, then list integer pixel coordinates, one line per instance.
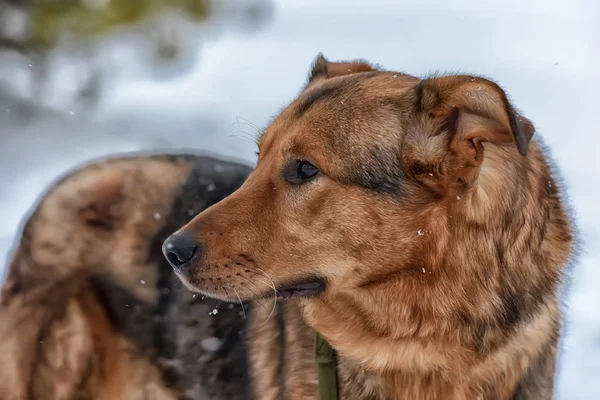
(304, 289)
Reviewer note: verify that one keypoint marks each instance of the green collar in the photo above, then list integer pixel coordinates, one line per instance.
(327, 369)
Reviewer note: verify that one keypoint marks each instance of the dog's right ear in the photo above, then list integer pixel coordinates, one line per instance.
(324, 69)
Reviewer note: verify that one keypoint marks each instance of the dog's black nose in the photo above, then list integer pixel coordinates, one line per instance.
(178, 249)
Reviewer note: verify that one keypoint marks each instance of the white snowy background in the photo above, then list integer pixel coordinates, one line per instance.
(545, 53)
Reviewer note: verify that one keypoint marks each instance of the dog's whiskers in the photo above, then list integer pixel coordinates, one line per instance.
(245, 121)
(240, 300)
(241, 121)
(274, 295)
(244, 138)
(253, 288)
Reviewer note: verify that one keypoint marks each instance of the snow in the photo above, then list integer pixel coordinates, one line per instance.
(544, 53)
(211, 344)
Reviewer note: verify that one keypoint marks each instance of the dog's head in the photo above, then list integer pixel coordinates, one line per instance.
(356, 178)
(369, 187)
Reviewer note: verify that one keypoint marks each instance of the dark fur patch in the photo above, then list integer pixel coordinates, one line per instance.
(380, 173)
(522, 133)
(538, 381)
(314, 96)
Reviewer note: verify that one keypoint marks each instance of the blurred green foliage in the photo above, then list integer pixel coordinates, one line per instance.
(92, 18)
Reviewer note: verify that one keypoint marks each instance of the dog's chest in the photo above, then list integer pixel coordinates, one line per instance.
(281, 358)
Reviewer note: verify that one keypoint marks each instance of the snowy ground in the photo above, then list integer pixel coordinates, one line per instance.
(545, 53)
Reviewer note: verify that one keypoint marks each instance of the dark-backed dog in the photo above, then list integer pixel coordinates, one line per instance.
(91, 309)
(414, 223)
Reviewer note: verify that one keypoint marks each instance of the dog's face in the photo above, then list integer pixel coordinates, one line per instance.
(356, 184)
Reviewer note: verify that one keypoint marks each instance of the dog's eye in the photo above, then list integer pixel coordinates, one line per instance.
(300, 172)
(306, 170)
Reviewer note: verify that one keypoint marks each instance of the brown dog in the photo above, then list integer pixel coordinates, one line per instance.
(92, 310)
(414, 223)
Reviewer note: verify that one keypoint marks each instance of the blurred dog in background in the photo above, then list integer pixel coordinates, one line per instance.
(91, 309)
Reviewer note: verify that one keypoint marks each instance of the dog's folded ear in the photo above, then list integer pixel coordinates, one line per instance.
(475, 110)
(325, 69)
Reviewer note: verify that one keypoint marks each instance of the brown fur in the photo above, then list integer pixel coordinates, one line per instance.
(91, 310)
(436, 222)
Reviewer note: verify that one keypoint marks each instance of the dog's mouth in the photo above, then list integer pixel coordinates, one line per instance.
(302, 289)
(308, 288)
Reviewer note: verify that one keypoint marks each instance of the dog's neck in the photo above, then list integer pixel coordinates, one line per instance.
(433, 366)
